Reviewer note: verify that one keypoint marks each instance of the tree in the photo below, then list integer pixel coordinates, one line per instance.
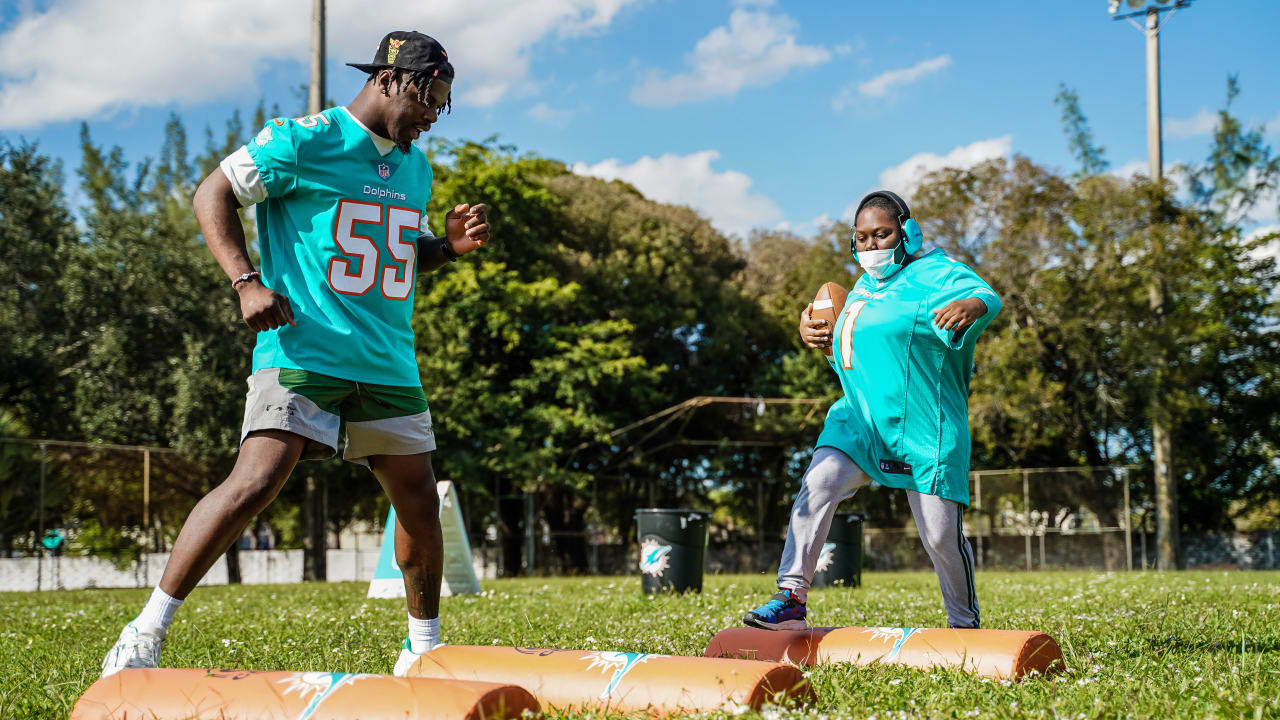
(1079, 137)
(37, 236)
(1239, 173)
(1065, 374)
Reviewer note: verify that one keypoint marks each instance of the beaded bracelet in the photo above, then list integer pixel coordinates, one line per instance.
(235, 284)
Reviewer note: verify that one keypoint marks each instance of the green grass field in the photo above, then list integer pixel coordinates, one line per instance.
(1190, 644)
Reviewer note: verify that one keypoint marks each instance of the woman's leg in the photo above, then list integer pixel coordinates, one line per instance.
(941, 525)
(832, 476)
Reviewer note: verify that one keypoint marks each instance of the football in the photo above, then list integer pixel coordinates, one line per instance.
(827, 304)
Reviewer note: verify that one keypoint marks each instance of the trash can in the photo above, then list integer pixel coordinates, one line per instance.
(673, 548)
(841, 560)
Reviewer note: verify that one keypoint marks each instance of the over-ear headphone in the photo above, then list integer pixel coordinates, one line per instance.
(912, 237)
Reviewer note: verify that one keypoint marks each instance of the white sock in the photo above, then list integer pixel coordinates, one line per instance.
(423, 634)
(159, 610)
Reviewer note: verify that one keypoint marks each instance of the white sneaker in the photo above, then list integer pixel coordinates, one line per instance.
(138, 647)
(408, 657)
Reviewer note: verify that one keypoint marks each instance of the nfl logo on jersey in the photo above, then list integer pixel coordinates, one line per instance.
(384, 171)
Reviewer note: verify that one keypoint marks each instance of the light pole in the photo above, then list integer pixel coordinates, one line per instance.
(1150, 10)
(315, 92)
(1167, 554)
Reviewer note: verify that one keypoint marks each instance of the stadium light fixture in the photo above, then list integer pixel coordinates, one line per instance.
(1139, 8)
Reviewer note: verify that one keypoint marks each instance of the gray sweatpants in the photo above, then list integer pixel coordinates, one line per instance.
(832, 476)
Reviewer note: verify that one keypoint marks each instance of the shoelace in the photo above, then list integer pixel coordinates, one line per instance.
(147, 647)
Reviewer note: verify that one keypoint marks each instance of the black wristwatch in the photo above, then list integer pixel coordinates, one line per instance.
(447, 248)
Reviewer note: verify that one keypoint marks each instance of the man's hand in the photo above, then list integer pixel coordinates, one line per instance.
(814, 333)
(263, 308)
(959, 314)
(467, 228)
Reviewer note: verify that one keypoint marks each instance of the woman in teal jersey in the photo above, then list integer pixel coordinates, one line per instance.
(902, 348)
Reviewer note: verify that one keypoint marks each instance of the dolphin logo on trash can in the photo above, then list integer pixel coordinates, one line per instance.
(654, 557)
(827, 557)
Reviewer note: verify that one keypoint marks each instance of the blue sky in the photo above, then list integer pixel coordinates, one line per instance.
(757, 113)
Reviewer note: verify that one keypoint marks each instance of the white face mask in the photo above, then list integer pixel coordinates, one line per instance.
(880, 264)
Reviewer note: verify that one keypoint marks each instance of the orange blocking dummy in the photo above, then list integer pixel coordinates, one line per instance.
(620, 681)
(1000, 654)
(256, 695)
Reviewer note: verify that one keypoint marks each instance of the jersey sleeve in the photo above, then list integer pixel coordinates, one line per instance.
(960, 283)
(246, 181)
(274, 152)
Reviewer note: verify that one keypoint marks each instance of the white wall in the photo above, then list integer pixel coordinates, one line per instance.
(257, 567)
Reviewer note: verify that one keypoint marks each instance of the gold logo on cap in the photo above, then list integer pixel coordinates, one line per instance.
(393, 49)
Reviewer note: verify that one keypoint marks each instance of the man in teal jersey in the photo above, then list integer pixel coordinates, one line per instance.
(341, 202)
(903, 352)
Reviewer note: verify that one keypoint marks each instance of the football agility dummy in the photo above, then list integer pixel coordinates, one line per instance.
(620, 681)
(997, 654)
(196, 694)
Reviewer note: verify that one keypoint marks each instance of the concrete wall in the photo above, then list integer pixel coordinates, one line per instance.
(1254, 551)
(900, 550)
(884, 551)
(257, 567)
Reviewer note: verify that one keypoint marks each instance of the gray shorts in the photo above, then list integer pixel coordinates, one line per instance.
(379, 419)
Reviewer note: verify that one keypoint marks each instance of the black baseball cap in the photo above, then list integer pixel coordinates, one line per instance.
(411, 51)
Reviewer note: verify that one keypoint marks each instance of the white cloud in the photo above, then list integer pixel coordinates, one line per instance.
(1202, 123)
(80, 58)
(725, 197)
(756, 48)
(1172, 172)
(880, 85)
(905, 177)
(806, 228)
(1267, 210)
(1132, 169)
(546, 114)
(1272, 248)
(1264, 230)
(844, 98)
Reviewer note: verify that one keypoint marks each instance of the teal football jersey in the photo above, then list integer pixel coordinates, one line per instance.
(338, 236)
(904, 417)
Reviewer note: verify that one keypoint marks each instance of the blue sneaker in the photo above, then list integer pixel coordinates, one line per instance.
(782, 612)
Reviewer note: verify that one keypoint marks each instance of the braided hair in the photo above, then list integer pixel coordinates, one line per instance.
(419, 78)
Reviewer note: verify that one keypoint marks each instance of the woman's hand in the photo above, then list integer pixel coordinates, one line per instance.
(814, 333)
(959, 314)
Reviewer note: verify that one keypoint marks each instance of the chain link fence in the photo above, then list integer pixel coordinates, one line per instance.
(1037, 518)
(84, 515)
(76, 515)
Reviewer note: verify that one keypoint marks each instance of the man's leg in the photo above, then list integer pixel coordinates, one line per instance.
(832, 476)
(941, 526)
(411, 485)
(266, 458)
(265, 461)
